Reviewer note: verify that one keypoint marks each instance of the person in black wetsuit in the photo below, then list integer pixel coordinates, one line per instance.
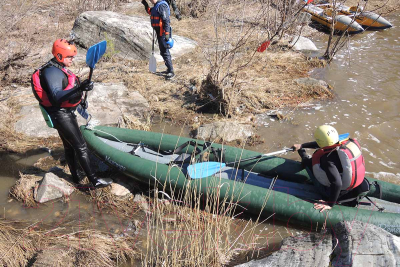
(338, 166)
(59, 92)
(160, 21)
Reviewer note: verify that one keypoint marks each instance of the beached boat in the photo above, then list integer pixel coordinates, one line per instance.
(168, 160)
(324, 17)
(366, 19)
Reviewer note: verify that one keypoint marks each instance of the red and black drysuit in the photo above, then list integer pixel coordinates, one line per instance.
(59, 92)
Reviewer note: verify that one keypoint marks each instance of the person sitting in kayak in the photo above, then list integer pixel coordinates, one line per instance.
(338, 165)
(59, 92)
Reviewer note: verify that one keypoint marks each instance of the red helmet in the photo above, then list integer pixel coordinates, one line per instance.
(63, 48)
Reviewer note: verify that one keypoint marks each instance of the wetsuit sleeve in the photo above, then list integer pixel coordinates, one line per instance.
(312, 145)
(54, 80)
(166, 23)
(334, 178)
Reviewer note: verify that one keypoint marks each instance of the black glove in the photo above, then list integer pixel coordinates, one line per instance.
(178, 16)
(86, 85)
(146, 6)
(84, 104)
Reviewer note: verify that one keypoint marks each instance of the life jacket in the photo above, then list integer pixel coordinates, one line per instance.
(155, 17)
(41, 94)
(352, 161)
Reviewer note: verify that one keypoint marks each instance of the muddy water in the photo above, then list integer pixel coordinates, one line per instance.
(366, 81)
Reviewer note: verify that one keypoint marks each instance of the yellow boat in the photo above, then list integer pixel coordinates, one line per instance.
(324, 17)
(366, 19)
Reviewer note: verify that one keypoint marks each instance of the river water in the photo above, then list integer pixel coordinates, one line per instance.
(366, 82)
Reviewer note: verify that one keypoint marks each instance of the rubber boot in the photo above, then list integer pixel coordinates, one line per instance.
(100, 182)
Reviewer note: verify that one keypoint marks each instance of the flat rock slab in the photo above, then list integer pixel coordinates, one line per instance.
(302, 250)
(130, 35)
(362, 245)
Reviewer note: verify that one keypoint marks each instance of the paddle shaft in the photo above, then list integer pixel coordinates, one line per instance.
(260, 156)
(152, 49)
(90, 79)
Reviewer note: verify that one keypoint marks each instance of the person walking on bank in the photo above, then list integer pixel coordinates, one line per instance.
(160, 21)
(59, 92)
(338, 166)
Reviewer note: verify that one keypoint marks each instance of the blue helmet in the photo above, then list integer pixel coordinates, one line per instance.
(170, 43)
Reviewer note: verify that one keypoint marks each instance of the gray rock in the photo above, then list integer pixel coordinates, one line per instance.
(227, 131)
(300, 43)
(52, 187)
(361, 244)
(312, 82)
(309, 250)
(107, 103)
(131, 35)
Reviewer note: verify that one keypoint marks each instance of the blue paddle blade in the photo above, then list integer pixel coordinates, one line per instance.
(344, 136)
(95, 52)
(204, 169)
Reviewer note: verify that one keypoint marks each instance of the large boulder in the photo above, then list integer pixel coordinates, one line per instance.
(131, 35)
(296, 251)
(107, 104)
(360, 244)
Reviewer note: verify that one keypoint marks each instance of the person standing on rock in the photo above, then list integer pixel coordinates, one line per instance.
(59, 92)
(338, 167)
(160, 21)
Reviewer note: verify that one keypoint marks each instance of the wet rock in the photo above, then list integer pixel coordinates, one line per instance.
(131, 35)
(300, 43)
(303, 250)
(226, 131)
(119, 189)
(361, 244)
(52, 187)
(312, 82)
(107, 103)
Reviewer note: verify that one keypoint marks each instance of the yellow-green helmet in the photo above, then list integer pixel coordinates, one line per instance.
(326, 135)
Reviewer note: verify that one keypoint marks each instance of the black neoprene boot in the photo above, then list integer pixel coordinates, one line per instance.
(100, 182)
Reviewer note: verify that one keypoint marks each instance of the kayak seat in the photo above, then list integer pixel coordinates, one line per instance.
(147, 153)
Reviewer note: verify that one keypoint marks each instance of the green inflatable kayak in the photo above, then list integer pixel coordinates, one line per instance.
(177, 162)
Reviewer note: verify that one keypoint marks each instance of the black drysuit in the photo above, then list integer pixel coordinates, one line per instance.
(53, 80)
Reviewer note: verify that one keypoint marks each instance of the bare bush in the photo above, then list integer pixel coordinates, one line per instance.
(235, 43)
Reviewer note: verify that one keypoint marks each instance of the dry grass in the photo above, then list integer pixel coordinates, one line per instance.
(33, 244)
(193, 229)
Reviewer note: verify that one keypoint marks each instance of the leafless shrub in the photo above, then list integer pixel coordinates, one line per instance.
(236, 39)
